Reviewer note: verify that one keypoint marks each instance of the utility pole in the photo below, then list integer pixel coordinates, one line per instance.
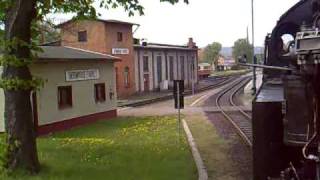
(248, 33)
(193, 76)
(254, 86)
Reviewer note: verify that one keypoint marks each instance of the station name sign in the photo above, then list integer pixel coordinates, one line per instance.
(120, 51)
(82, 75)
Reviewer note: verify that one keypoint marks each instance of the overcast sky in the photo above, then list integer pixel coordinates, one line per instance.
(205, 20)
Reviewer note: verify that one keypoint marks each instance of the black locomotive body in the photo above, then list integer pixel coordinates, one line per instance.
(286, 127)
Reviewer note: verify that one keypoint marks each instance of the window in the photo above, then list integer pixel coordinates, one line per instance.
(64, 97)
(82, 36)
(100, 92)
(117, 79)
(119, 36)
(159, 68)
(145, 64)
(126, 76)
(171, 67)
(182, 67)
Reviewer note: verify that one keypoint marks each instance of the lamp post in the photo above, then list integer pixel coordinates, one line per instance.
(254, 60)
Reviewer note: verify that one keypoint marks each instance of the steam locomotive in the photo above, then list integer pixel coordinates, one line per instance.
(286, 109)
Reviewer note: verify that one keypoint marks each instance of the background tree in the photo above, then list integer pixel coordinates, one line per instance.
(48, 32)
(241, 47)
(1, 34)
(20, 19)
(211, 53)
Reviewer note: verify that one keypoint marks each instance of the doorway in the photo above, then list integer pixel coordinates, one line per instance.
(146, 82)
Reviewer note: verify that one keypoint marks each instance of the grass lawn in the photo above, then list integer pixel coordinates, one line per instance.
(120, 149)
(214, 149)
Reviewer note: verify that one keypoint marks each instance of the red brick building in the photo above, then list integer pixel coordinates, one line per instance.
(108, 37)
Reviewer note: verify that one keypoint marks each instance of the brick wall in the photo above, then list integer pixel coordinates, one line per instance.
(102, 37)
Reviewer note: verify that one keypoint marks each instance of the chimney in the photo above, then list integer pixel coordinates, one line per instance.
(191, 44)
(144, 42)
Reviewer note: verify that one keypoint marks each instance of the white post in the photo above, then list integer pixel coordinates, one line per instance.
(254, 88)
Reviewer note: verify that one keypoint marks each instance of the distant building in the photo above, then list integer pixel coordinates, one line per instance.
(79, 89)
(204, 70)
(225, 63)
(157, 65)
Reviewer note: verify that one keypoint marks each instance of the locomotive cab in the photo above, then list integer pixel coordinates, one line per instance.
(286, 108)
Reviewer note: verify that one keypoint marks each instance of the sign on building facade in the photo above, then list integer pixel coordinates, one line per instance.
(82, 75)
(120, 51)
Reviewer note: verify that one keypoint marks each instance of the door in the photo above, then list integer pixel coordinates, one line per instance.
(159, 70)
(117, 79)
(146, 82)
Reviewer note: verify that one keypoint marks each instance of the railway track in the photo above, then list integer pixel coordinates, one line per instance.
(239, 119)
(220, 81)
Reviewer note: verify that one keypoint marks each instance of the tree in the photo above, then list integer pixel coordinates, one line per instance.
(211, 53)
(242, 47)
(20, 19)
(48, 32)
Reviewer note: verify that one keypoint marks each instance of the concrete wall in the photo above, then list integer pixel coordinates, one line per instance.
(82, 91)
(152, 54)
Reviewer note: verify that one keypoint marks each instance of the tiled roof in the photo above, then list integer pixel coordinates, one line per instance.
(101, 20)
(70, 53)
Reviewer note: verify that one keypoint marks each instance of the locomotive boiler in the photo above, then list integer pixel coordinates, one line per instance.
(286, 109)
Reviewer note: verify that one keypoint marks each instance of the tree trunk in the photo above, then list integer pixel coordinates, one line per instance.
(21, 139)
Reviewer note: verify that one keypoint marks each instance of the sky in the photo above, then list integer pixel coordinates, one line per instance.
(206, 21)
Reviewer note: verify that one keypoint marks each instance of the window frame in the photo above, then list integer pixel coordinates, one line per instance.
(82, 37)
(102, 98)
(182, 67)
(119, 36)
(159, 68)
(126, 77)
(171, 68)
(145, 64)
(69, 101)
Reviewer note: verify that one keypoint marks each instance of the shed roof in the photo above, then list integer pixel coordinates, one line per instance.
(164, 46)
(70, 53)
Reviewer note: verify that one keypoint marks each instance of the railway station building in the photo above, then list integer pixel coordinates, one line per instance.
(157, 65)
(79, 89)
(107, 37)
(94, 63)
(143, 66)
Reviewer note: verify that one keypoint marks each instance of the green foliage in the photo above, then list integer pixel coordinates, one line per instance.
(47, 32)
(122, 148)
(15, 84)
(260, 58)
(3, 152)
(1, 34)
(242, 47)
(211, 53)
(85, 8)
